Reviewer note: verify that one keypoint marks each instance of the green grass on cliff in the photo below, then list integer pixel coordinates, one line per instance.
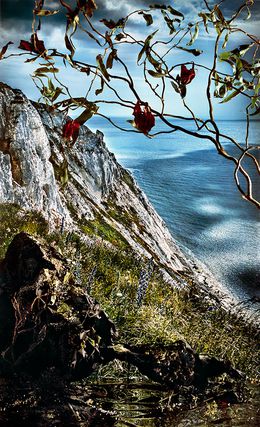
(111, 275)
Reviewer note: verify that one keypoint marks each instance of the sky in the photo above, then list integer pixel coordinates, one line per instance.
(16, 17)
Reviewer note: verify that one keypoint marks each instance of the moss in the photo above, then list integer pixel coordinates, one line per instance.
(13, 219)
(128, 179)
(99, 227)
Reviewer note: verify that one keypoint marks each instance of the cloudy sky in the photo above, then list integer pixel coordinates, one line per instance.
(16, 16)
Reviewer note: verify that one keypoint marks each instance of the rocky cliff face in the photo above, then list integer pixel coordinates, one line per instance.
(82, 187)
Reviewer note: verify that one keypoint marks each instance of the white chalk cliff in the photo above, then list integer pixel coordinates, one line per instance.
(32, 158)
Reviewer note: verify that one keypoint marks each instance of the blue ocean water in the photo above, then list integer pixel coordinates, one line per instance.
(193, 190)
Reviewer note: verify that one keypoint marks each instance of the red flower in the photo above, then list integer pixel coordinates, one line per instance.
(143, 117)
(70, 130)
(186, 75)
(35, 45)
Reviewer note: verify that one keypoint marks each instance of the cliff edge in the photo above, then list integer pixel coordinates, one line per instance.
(82, 187)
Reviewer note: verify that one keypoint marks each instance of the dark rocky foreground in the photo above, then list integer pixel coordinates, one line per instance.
(53, 333)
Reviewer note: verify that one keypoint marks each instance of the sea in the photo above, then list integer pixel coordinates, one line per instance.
(193, 190)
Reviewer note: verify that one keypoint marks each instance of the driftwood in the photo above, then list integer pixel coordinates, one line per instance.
(48, 322)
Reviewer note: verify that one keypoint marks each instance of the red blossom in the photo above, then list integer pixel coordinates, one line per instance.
(143, 117)
(70, 130)
(35, 45)
(186, 75)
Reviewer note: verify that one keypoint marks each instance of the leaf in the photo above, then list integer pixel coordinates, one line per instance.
(43, 70)
(175, 86)
(102, 67)
(155, 74)
(87, 113)
(87, 6)
(169, 23)
(244, 48)
(31, 59)
(230, 96)
(63, 175)
(146, 45)
(111, 57)
(225, 41)
(195, 52)
(158, 6)
(219, 14)
(205, 20)
(119, 37)
(153, 61)
(99, 91)
(148, 18)
(194, 36)
(4, 49)
(57, 93)
(175, 12)
(248, 14)
(222, 91)
(112, 24)
(69, 45)
(43, 12)
(224, 56)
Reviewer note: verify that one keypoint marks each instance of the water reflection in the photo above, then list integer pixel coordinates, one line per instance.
(142, 404)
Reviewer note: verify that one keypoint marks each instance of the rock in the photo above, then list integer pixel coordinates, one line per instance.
(176, 366)
(28, 177)
(44, 323)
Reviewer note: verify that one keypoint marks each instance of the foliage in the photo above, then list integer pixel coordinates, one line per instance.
(110, 75)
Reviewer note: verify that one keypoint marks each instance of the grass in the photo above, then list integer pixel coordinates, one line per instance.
(166, 314)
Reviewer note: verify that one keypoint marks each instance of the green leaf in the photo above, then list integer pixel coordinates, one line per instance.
(145, 46)
(230, 96)
(87, 113)
(219, 14)
(155, 74)
(248, 14)
(153, 61)
(63, 173)
(224, 56)
(102, 67)
(57, 93)
(43, 12)
(175, 86)
(194, 36)
(175, 12)
(69, 45)
(222, 91)
(205, 20)
(43, 70)
(195, 52)
(225, 41)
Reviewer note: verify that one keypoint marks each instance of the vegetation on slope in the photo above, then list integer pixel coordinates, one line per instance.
(111, 274)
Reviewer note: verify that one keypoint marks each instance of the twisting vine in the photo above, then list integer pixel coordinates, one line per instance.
(154, 55)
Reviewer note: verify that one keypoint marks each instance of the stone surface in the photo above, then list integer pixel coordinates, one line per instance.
(32, 158)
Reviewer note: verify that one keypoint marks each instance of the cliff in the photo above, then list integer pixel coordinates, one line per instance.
(82, 187)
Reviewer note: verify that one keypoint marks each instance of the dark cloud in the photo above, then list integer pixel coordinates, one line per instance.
(18, 13)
